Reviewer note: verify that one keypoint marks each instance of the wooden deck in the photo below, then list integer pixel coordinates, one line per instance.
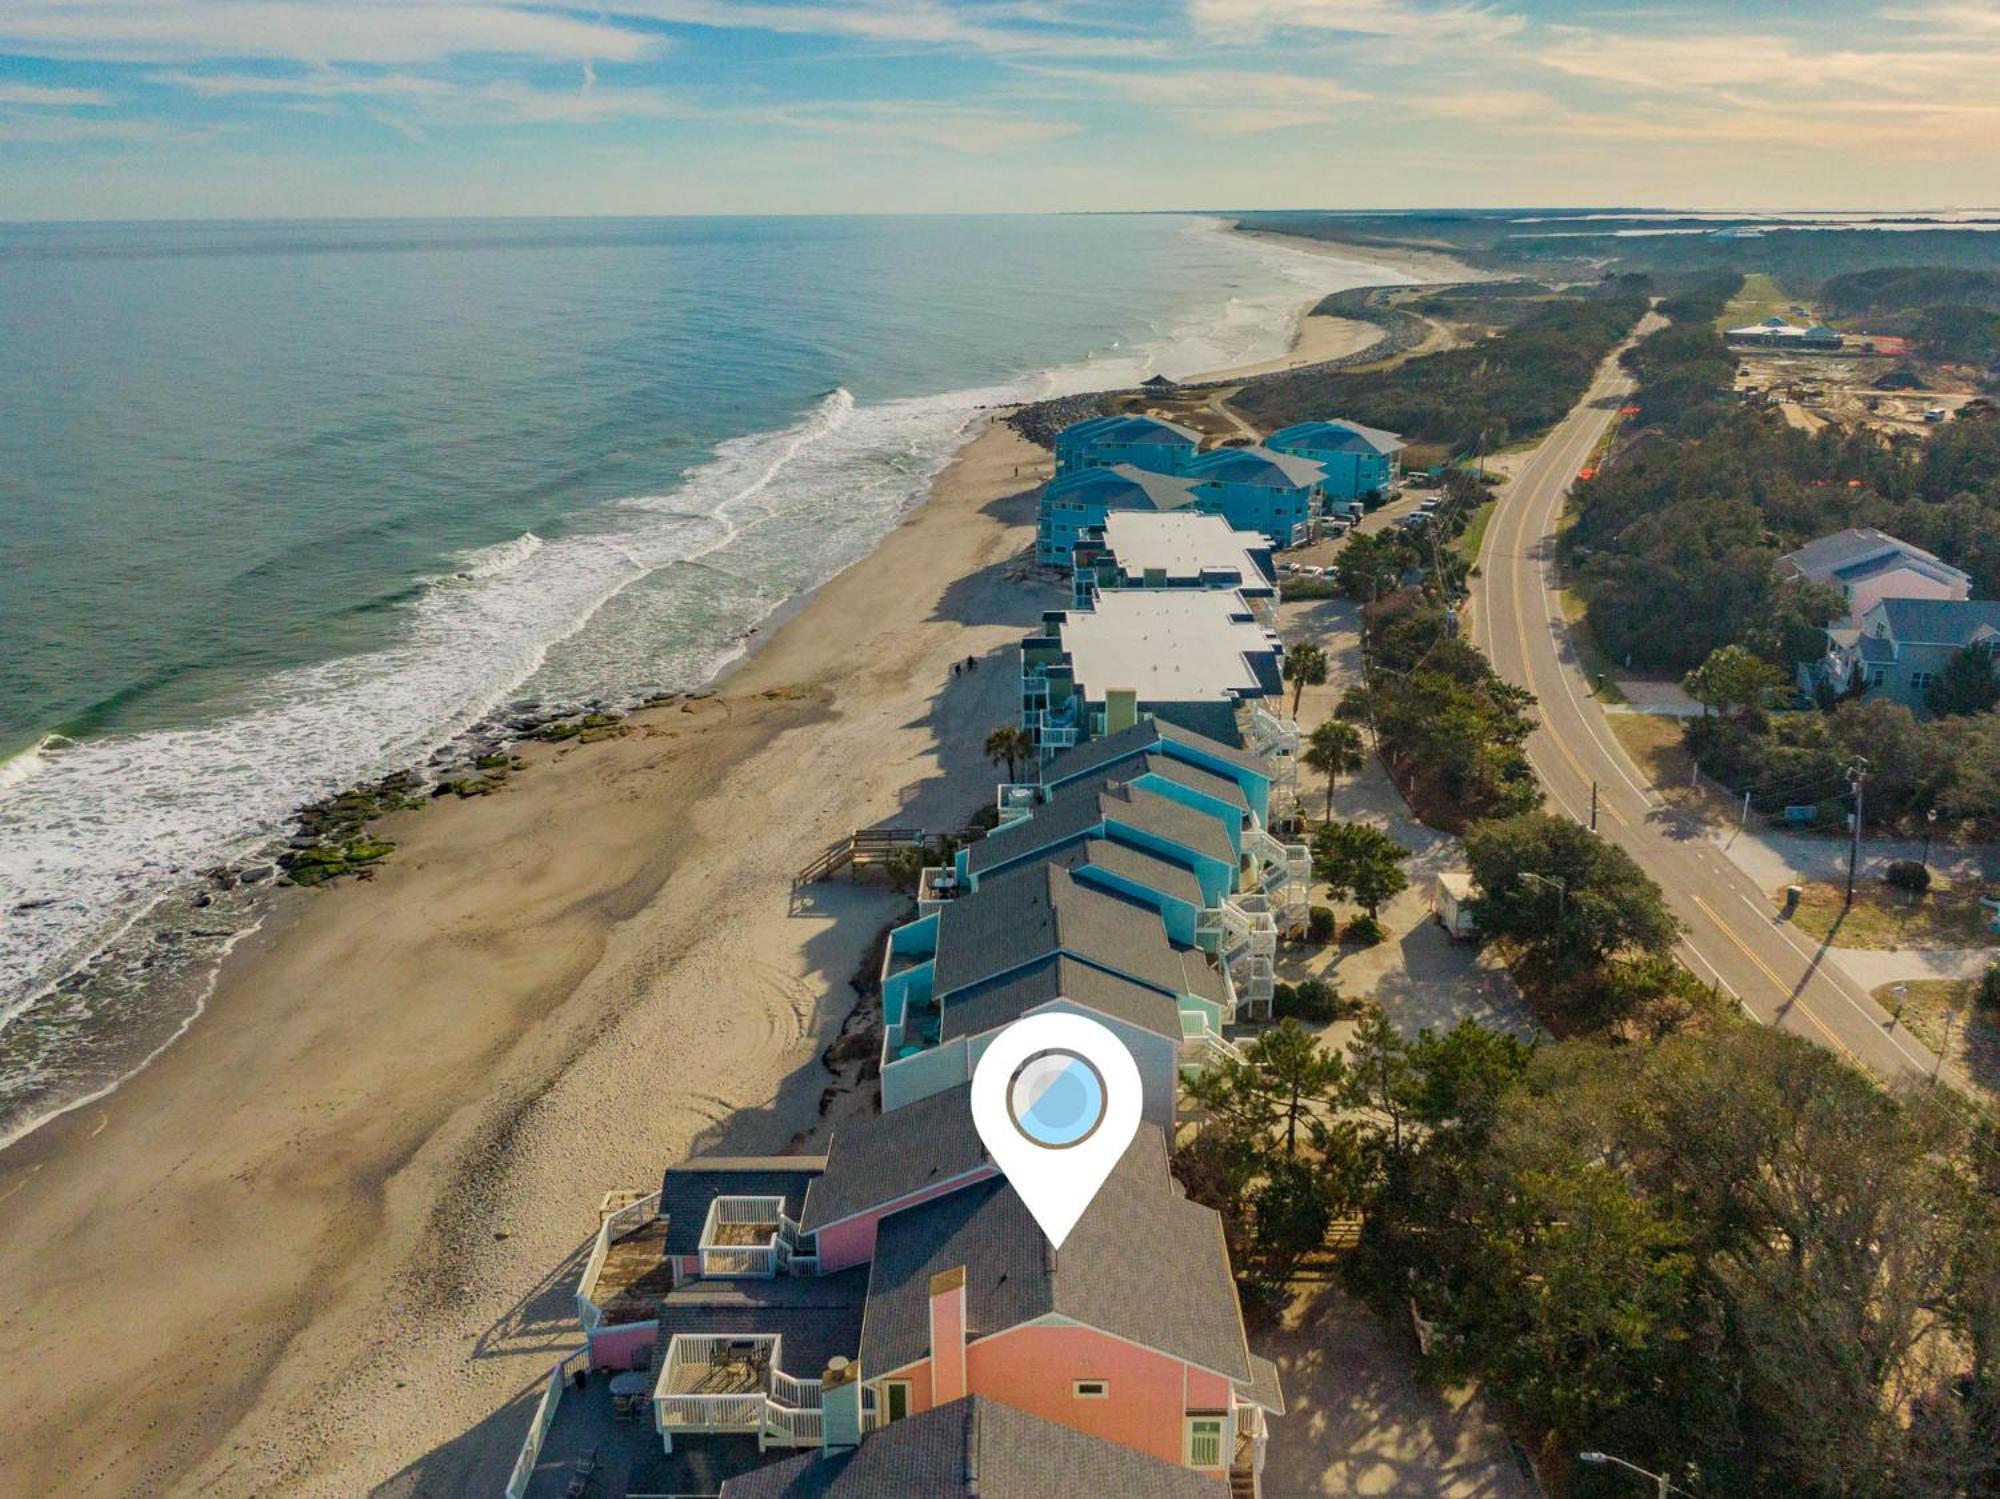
(746, 1375)
(635, 1275)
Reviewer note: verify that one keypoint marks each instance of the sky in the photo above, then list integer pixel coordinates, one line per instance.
(310, 108)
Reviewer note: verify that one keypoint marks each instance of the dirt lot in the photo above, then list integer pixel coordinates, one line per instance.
(1812, 389)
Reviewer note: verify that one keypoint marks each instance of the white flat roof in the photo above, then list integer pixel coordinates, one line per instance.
(1183, 545)
(1176, 646)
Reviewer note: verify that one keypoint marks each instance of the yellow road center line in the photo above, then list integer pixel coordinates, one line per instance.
(1765, 968)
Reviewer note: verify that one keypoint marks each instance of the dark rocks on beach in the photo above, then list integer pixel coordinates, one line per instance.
(256, 872)
(35, 905)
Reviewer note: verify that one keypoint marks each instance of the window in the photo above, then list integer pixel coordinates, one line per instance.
(896, 1395)
(1090, 1389)
(1919, 680)
(1878, 678)
(1204, 1441)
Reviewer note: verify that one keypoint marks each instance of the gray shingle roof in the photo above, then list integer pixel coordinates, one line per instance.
(689, 1187)
(1135, 865)
(1025, 914)
(1940, 621)
(882, 1157)
(1125, 487)
(1083, 805)
(987, 1007)
(1827, 557)
(977, 1448)
(816, 1316)
(1146, 734)
(1259, 466)
(1336, 437)
(1266, 1389)
(1143, 1263)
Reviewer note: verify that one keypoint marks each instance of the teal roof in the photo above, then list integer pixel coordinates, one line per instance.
(1128, 429)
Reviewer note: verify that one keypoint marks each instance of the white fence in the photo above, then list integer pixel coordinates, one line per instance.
(614, 1227)
(538, 1428)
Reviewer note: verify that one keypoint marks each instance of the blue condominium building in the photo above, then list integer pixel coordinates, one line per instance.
(1355, 460)
(1147, 442)
(1257, 489)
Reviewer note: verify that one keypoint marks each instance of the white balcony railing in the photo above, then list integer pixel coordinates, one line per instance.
(1206, 1049)
(748, 1236)
(615, 1225)
(545, 1413)
(1014, 800)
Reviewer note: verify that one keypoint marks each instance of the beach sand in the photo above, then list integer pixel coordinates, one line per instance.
(1424, 267)
(327, 1244)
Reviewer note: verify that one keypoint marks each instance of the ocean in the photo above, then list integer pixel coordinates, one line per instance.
(285, 506)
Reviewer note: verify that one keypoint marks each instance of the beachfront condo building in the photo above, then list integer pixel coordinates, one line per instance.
(1145, 442)
(1356, 461)
(1076, 504)
(1176, 830)
(1190, 656)
(1182, 549)
(832, 1299)
(1257, 489)
(1086, 929)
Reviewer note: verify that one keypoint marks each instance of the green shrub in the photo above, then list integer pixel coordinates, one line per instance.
(1319, 925)
(1989, 988)
(1312, 1000)
(1909, 875)
(1363, 931)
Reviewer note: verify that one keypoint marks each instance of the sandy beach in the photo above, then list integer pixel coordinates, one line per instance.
(327, 1243)
(1427, 267)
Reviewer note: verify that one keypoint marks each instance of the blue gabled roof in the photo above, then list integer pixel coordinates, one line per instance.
(1256, 466)
(1128, 429)
(1123, 487)
(1939, 621)
(1335, 437)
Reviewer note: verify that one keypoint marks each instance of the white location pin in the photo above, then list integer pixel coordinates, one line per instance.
(1056, 1099)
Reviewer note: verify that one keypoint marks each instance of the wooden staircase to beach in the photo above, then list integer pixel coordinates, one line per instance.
(862, 849)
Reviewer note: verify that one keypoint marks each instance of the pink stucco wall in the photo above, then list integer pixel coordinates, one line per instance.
(1033, 1369)
(613, 1348)
(852, 1240)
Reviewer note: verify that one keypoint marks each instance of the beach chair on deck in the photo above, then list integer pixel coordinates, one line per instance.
(579, 1481)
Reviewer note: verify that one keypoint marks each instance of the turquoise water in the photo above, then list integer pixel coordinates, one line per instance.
(287, 505)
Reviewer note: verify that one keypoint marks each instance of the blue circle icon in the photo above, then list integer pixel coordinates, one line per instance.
(1056, 1099)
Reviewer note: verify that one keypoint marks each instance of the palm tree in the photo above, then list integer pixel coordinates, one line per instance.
(1305, 666)
(1010, 744)
(1334, 750)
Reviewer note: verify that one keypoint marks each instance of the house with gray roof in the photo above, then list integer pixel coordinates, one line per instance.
(1902, 647)
(967, 1297)
(1868, 566)
(976, 1448)
(1051, 935)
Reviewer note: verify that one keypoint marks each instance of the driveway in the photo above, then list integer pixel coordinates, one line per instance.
(1358, 1421)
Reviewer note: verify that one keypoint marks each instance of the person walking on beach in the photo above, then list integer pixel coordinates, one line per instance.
(971, 663)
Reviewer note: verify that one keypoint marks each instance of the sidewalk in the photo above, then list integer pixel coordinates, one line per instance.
(1872, 968)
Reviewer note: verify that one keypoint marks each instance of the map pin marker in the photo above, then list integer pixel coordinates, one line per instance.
(1056, 1099)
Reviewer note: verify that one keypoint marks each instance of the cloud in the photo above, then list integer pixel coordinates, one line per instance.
(38, 96)
(392, 32)
(436, 101)
(965, 130)
(1236, 101)
(1021, 28)
(1402, 19)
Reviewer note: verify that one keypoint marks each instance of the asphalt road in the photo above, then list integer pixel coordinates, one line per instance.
(1733, 938)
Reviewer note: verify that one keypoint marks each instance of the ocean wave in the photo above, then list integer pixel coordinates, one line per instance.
(646, 592)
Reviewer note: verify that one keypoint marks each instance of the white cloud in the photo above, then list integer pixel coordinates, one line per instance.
(436, 101)
(1236, 101)
(39, 96)
(1021, 28)
(1403, 19)
(395, 32)
(965, 130)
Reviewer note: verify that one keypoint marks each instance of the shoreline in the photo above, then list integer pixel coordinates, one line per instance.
(404, 1096)
(1423, 267)
(372, 1058)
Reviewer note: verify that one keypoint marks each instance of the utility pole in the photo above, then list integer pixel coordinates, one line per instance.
(1746, 812)
(1857, 777)
(1593, 806)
